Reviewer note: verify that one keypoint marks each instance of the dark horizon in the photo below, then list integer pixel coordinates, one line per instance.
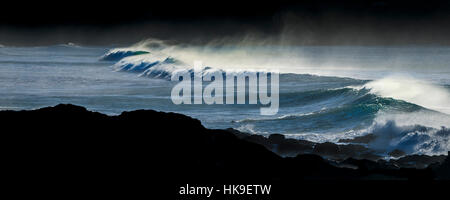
(347, 22)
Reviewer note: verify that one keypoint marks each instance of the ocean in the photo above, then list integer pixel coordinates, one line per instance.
(327, 93)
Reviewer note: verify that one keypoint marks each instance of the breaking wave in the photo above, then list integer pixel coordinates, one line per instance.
(412, 90)
(403, 113)
(411, 139)
(118, 54)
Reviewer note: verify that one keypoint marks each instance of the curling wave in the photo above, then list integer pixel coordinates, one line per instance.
(335, 114)
(403, 113)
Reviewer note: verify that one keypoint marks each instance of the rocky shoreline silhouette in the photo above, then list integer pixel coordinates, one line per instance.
(67, 145)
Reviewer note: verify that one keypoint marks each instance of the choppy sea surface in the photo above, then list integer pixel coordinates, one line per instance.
(400, 94)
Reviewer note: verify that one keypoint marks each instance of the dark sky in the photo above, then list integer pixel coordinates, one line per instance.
(292, 22)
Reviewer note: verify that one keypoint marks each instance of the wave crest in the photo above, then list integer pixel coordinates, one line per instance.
(119, 54)
(412, 90)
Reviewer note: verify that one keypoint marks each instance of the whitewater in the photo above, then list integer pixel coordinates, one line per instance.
(327, 93)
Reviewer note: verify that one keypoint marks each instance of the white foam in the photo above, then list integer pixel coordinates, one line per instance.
(412, 139)
(412, 90)
(425, 118)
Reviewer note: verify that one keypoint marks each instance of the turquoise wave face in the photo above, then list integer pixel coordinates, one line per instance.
(332, 110)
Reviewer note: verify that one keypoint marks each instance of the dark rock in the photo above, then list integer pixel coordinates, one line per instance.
(418, 161)
(361, 139)
(276, 138)
(326, 148)
(292, 147)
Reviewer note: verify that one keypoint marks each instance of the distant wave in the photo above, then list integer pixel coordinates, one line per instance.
(71, 44)
(154, 53)
(157, 65)
(118, 54)
(165, 58)
(140, 48)
(66, 45)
